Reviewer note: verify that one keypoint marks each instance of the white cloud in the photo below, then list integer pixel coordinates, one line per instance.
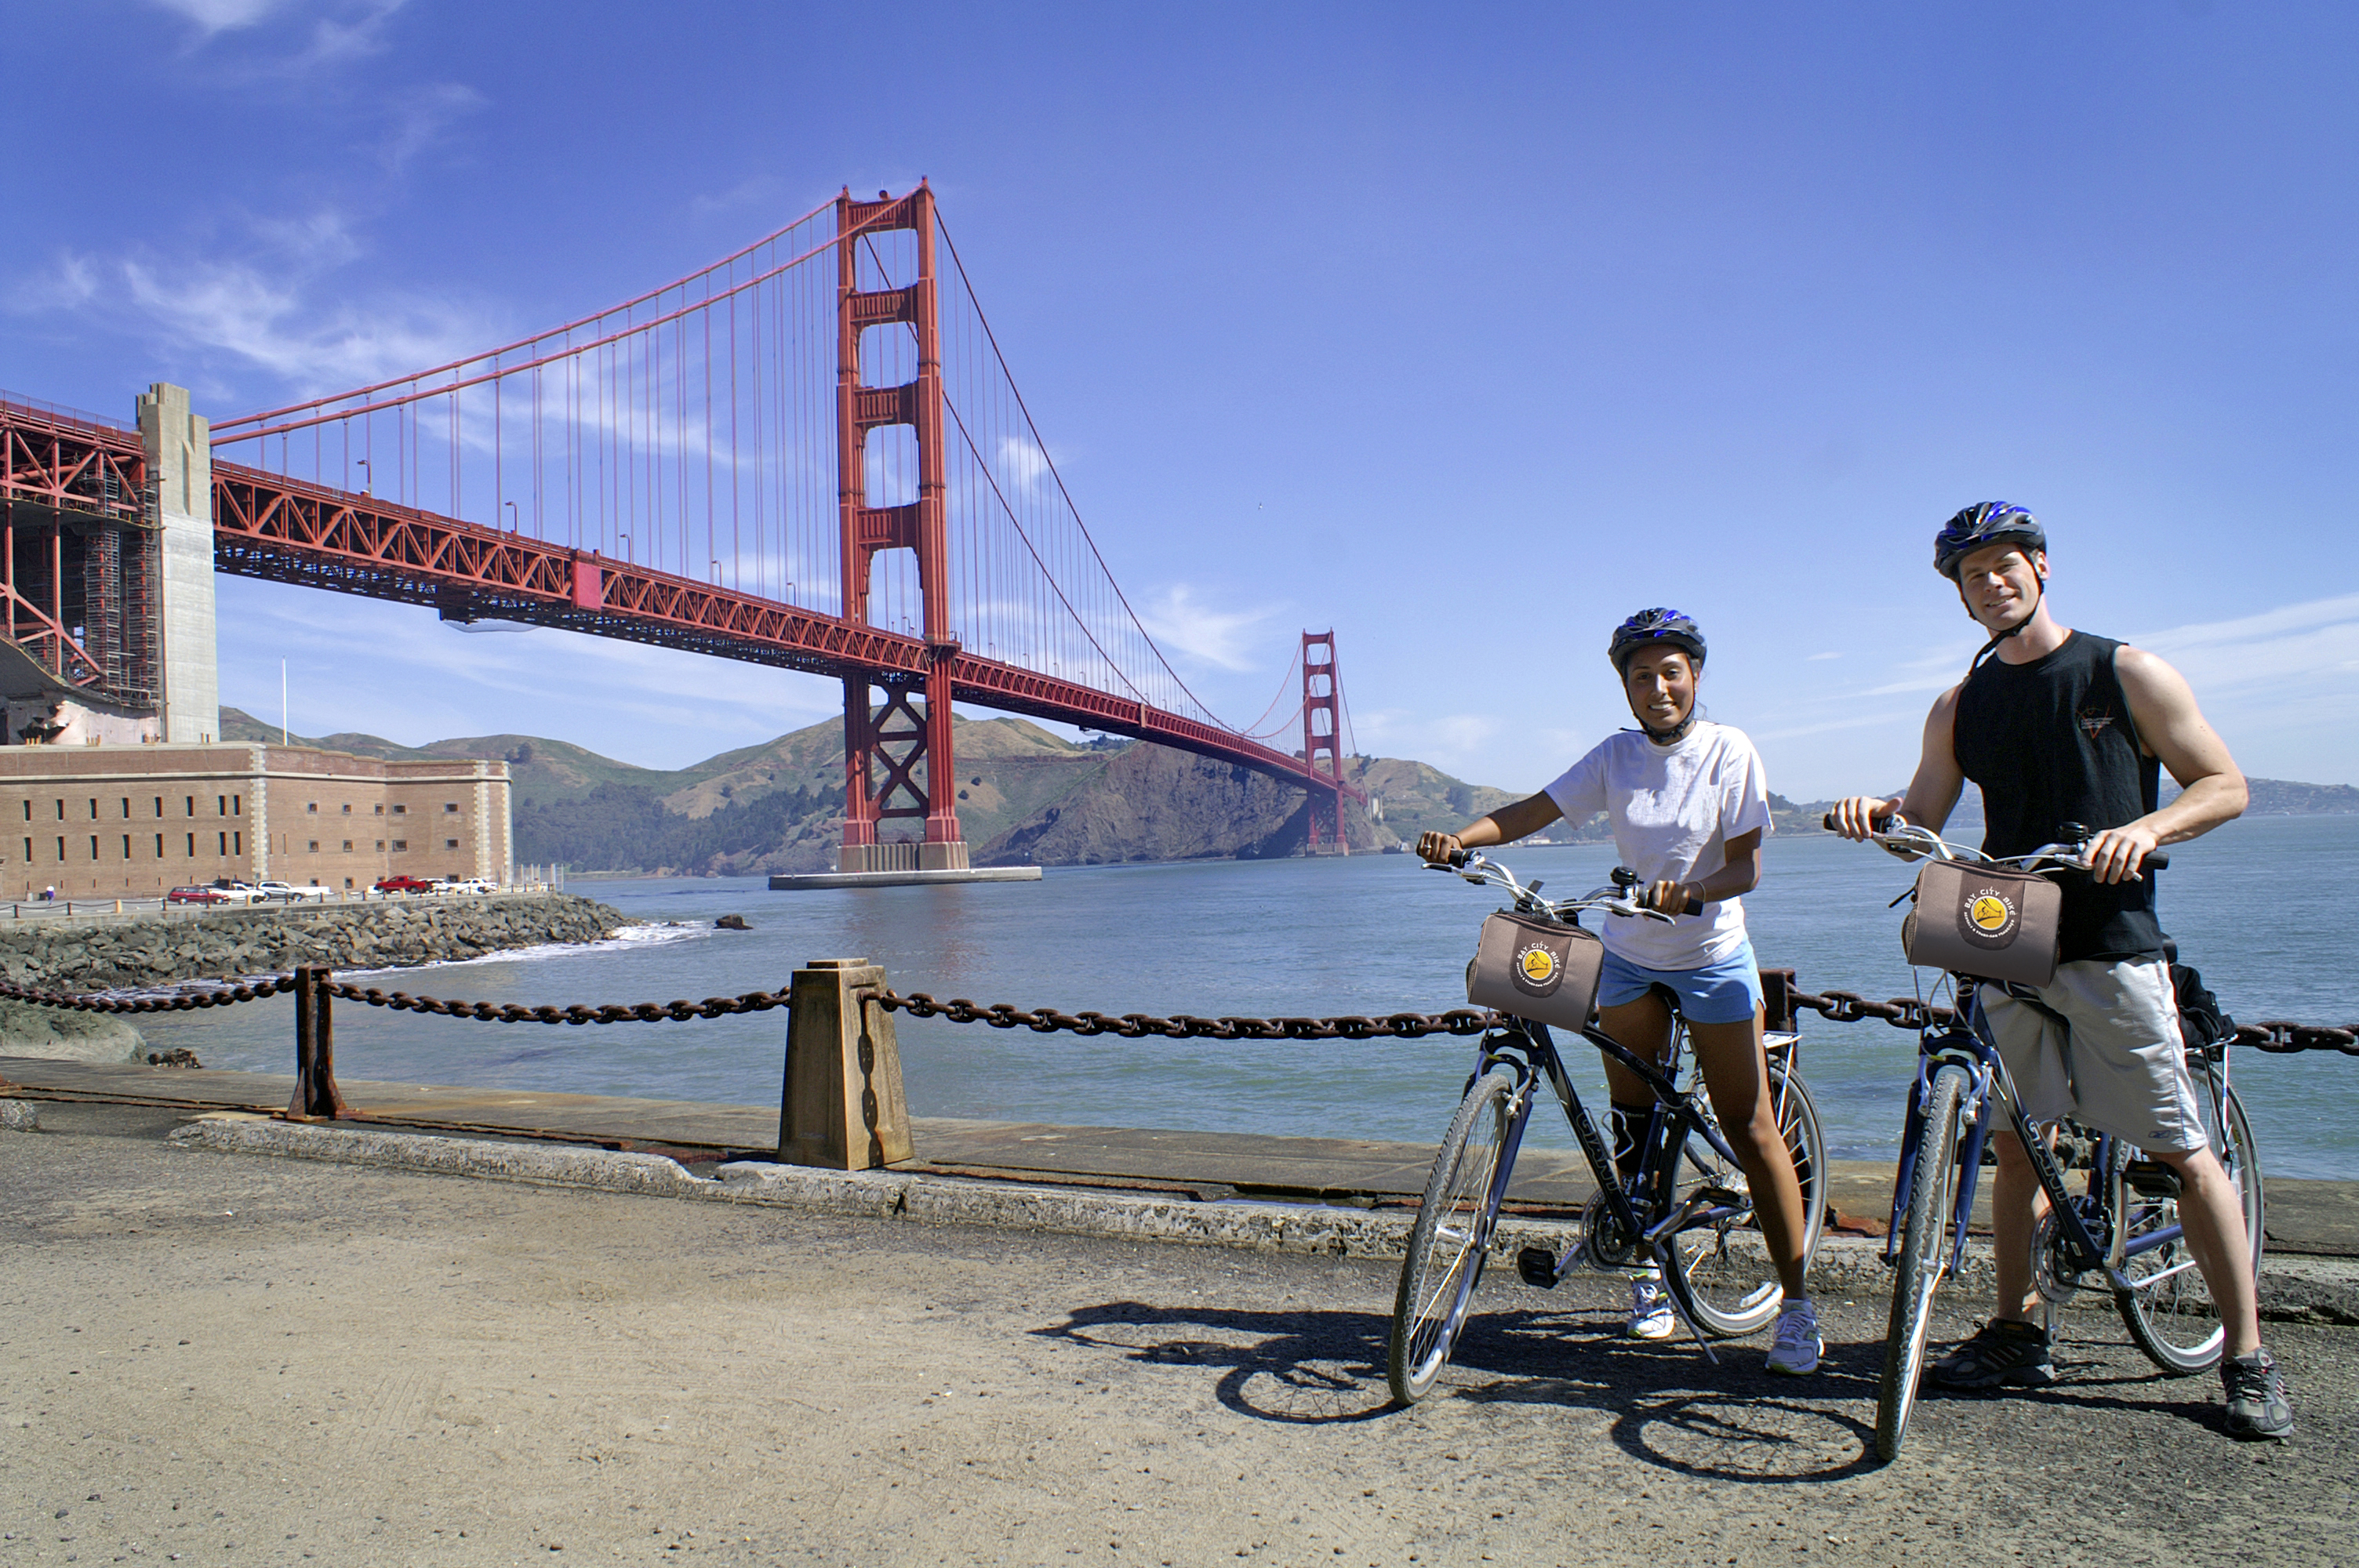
(264, 319)
(421, 115)
(221, 16)
(1180, 623)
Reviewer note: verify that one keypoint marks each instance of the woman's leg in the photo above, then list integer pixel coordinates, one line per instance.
(1644, 1029)
(1736, 1071)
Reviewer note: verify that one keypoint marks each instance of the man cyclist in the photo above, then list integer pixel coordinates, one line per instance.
(2064, 727)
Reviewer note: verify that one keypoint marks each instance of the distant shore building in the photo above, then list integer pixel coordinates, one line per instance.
(101, 821)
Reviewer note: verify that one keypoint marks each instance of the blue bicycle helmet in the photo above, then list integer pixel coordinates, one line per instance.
(1984, 522)
(1650, 627)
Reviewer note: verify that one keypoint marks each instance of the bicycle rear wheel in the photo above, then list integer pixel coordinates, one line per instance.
(1730, 1278)
(1924, 1255)
(2169, 1307)
(1447, 1246)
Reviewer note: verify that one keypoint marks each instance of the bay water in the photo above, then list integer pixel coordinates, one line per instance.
(2258, 906)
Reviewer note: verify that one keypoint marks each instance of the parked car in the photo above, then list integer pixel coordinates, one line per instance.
(287, 892)
(405, 884)
(197, 895)
(464, 885)
(235, 891)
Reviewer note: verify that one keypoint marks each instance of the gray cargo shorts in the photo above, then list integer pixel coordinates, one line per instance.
(2124, 1069)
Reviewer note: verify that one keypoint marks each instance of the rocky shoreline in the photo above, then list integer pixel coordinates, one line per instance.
(111, 953)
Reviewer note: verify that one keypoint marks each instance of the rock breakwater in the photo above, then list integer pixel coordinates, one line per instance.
(110, 953)
(116, 953)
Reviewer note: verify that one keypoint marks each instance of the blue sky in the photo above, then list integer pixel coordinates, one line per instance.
(1467, 334)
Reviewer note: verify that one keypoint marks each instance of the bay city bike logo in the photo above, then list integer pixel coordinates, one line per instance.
(1989, 917)
(1537, 967)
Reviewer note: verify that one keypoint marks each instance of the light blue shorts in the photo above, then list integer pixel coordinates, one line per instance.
(1725, 992)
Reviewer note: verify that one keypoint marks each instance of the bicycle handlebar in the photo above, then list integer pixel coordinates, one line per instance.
(1913, 840)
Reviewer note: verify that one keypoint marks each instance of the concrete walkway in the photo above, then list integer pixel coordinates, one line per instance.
(2305, 1218)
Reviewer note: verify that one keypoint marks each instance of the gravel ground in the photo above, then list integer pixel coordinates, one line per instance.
(210, 1360)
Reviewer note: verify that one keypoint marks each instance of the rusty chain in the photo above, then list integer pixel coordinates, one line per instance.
(199, 993)
(2277, 1036)
(1187, 1026)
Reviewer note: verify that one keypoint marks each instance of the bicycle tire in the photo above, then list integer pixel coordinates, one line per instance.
(1448, 1244)
(1733, 1289)
(2172, 1316)
(1924, 1255)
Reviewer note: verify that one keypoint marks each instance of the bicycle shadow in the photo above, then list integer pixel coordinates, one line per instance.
(1671, 1408)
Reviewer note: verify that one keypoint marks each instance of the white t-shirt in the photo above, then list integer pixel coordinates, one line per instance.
(1674, 809)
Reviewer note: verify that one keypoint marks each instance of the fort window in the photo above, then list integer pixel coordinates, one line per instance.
(61, 811)
(348, 849)
(380, 810)
(61, 851)
(29, 811)
(401, 846)
(237, 843)
(192, 805)
(312, 807)
(224, 845)
(126, 808)
(93, 808)
(315, 846)
(450, 843)
(159, 845)
(127, 846)
(449, 805)
(348, 808)
(159, 805)
(192, 846)
(28, 851)
(220, 805)
(380, 846)
(93, 848)
(401, 811)
(237, 805)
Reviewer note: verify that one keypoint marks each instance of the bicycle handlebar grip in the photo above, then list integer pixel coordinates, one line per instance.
(1876, 823)
(1459, 857)
(2157, 861)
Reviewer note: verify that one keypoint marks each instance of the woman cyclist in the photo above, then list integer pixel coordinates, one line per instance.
(1689, 807)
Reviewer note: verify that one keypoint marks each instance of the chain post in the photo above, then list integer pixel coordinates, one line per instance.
(316, 1095)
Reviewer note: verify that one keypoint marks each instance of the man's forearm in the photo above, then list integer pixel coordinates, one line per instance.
(2200, 806)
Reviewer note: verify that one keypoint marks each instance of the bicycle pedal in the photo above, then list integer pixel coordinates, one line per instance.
(1538, 1267)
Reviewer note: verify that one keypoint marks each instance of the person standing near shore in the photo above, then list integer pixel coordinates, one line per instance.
(1690, 807)
(2064, 727)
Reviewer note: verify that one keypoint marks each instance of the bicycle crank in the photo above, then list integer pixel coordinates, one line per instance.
(2056, 1271)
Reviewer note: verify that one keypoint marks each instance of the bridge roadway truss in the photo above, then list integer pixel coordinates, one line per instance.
(286, 530)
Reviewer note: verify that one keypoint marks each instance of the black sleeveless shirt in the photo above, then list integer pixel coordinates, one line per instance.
(2050, 742)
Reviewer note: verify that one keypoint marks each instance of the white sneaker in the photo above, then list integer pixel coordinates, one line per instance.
(1798, 1347)
(1651, 1317)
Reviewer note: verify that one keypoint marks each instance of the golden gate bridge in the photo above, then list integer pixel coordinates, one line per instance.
(810, 454)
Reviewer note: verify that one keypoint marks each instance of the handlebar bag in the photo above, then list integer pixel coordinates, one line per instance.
(1536, 970)
(1992, 924)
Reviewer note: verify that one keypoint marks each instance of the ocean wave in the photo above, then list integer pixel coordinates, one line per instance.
(630, 938)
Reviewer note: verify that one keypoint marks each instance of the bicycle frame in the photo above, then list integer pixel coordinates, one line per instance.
(1527, 1050)
(1962, 1045)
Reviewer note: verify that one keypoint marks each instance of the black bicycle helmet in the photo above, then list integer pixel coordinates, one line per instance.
(1984, 522)
(1650, 627)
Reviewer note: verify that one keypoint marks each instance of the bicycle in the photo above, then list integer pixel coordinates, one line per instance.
(1679, 1210)
(2122, 1234)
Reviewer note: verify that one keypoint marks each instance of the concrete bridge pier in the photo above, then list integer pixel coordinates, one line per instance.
(180, 467)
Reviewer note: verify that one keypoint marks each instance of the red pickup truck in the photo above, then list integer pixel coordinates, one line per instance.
(403, 884)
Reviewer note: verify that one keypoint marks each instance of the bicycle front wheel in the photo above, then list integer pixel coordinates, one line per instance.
(1731, 1280)
(1452, 1233)
(2169, 1307)
(1924, 1255)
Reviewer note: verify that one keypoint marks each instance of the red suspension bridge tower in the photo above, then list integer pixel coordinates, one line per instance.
(892, 741)
(1322, 733)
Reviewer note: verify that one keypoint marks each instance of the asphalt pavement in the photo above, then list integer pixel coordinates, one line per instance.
(207, 1357)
